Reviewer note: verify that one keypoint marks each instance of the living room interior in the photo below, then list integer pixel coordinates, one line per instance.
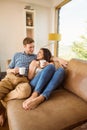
(15, 25)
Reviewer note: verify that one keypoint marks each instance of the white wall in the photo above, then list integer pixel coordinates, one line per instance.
(12, 28)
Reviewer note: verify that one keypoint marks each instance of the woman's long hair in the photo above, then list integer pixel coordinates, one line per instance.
(47, 54)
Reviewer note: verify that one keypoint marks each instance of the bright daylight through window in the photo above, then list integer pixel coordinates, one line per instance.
(73, 28)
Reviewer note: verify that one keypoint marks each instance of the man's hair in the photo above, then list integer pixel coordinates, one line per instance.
(28, 40)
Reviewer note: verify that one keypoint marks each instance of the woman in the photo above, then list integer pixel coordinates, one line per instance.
(43, 82)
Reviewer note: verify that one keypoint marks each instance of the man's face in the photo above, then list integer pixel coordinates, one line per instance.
(29, 48)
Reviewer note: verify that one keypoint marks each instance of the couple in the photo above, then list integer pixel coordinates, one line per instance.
(42, 83)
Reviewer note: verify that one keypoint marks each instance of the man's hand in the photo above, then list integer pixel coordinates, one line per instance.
(15, 70)
(63, 62)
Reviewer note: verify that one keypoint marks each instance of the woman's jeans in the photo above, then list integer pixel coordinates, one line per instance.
(47, 80)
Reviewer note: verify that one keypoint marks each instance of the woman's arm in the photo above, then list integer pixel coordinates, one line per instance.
(32, 69)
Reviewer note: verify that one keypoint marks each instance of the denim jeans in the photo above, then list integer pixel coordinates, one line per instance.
(47, 80)
(54, 83)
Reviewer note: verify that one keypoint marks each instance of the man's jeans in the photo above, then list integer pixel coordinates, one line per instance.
(47, 80)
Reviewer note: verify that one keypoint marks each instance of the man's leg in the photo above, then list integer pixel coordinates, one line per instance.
(9, 83)
(6, 85)
(22, 90)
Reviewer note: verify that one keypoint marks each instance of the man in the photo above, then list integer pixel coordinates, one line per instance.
(13, 79)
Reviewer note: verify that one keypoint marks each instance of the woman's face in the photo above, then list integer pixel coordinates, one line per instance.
(40, 55)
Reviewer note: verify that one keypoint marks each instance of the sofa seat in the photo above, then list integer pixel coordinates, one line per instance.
(62, 111)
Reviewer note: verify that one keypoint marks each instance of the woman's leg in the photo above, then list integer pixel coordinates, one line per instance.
(54, 82)
(44, 77)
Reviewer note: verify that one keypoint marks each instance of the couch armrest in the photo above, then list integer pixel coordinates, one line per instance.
(7, 63)
(76, 79)
(2, 75)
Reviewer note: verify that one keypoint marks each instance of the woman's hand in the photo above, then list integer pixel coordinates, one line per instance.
(44, 64)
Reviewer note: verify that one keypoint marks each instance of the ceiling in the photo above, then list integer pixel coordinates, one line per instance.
(47, 3)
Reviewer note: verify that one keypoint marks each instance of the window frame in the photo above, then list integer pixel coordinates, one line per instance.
(57, 10)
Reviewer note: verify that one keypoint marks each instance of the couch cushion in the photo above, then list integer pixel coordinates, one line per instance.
(76, 78)
(63, 109)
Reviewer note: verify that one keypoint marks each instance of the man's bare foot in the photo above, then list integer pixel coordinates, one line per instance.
(33, 103)
(26, 102)
(2, 114)
(2, 119)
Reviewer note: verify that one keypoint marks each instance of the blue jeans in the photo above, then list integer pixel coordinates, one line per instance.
(47, 80)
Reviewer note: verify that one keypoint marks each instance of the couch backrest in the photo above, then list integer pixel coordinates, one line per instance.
(76, 78)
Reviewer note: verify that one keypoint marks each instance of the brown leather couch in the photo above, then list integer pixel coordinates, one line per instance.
(66, 108)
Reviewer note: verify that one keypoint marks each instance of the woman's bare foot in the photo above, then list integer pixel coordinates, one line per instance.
(33, 103)
(26, 102)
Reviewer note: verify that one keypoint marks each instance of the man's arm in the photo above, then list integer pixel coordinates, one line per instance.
(61, 61)
(11, 66)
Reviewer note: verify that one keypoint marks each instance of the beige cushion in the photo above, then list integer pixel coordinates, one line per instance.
(76, 78)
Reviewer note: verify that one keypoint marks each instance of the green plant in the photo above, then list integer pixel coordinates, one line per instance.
(80, 47)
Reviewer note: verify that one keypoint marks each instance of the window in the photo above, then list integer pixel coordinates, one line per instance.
(73, 29)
